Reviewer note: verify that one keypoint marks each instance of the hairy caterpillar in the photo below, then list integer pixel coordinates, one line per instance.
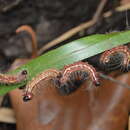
(45, 75)
(118, 57)
(13, 79)
(73, 76)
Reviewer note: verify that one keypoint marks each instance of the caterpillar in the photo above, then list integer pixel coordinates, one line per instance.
(34, 83)
(118, 57)
(73, 76)
(13, 79)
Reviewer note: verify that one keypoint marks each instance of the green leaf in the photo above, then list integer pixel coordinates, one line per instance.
(74, 51)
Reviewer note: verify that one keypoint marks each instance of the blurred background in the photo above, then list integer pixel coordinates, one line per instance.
(50, 19)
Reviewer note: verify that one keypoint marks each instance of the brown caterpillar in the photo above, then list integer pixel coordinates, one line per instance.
(74, 74)
(30, 31)
(13, 79)
(45, 75)
(116, 57)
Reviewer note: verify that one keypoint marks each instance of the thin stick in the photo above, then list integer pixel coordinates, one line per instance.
(31, 32)
(80, 27)
(118, 9)
(114, 80)
(75, 30)
(99, 10)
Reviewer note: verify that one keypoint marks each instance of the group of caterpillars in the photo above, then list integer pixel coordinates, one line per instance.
(72, 76)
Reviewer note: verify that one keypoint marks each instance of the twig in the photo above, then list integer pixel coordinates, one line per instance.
(79, 28)
(65, 36)
(99, 10)
(10, 6)
(118, 9)
(7, 115)
(75, 30)
(30, 31)
(114, 80)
